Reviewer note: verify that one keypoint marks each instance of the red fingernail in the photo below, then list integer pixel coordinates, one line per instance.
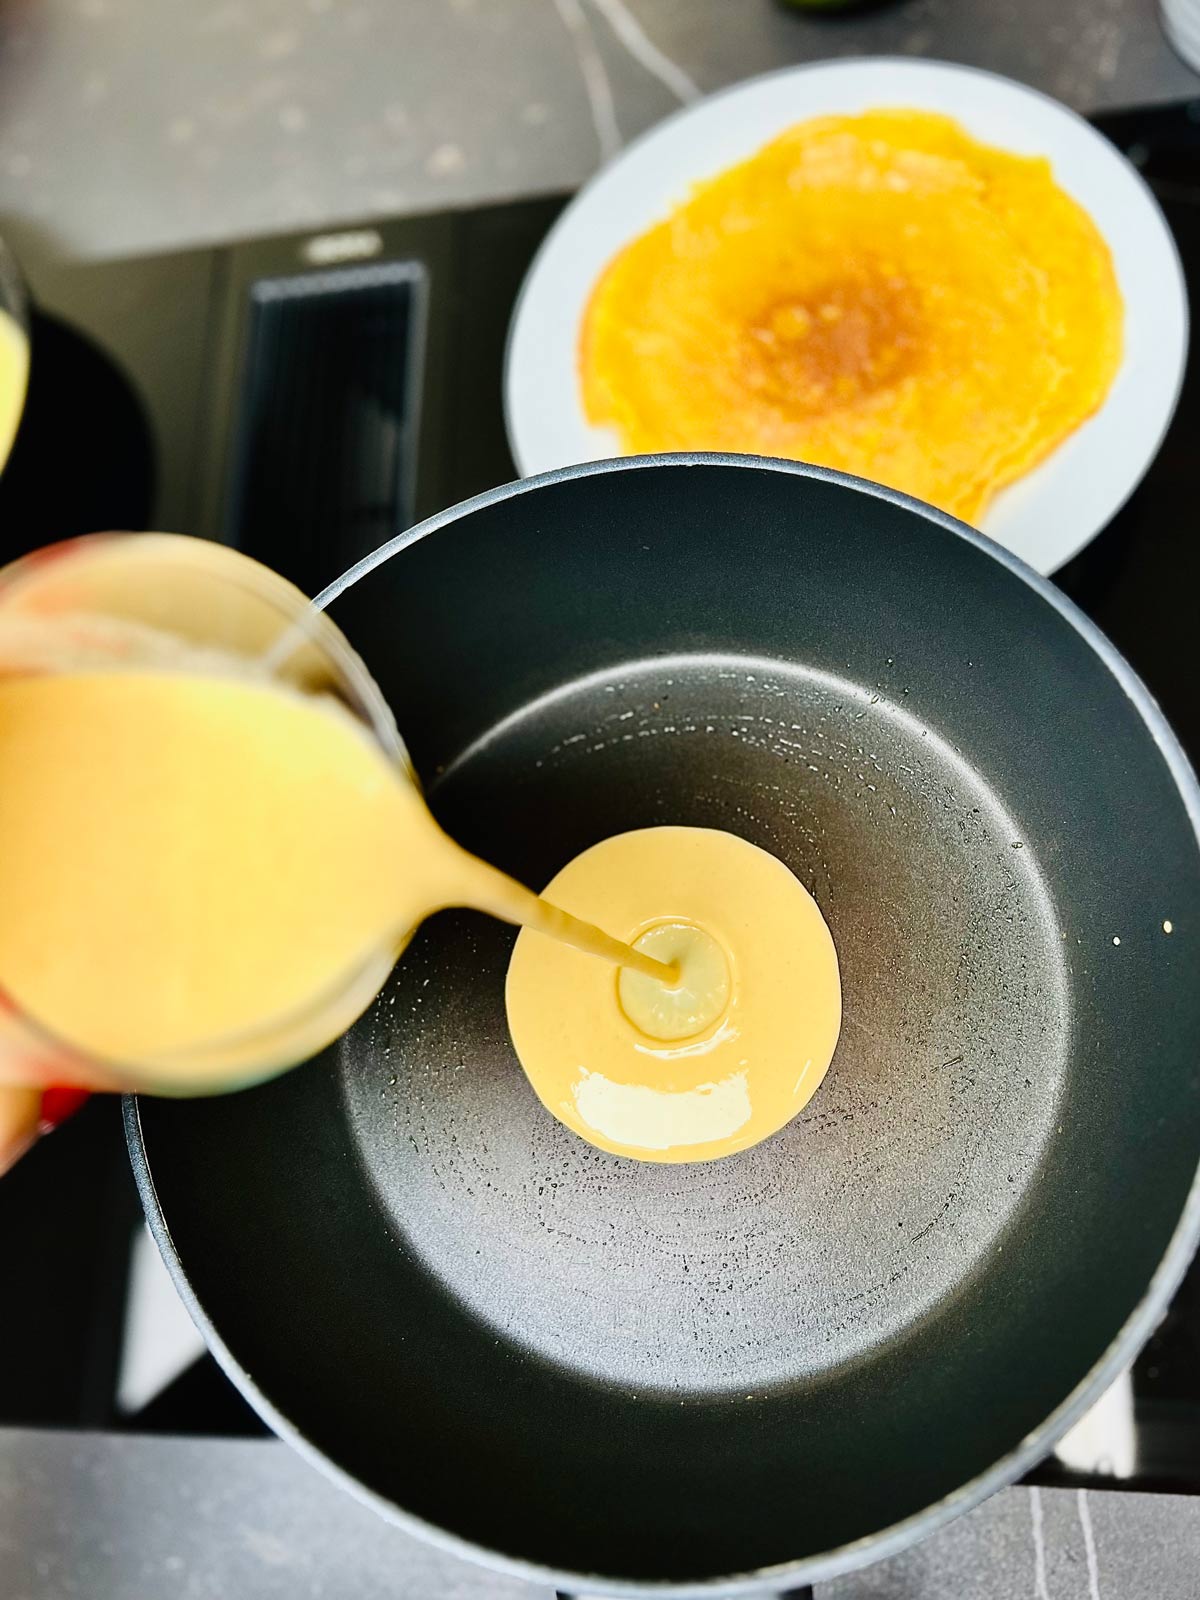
(59, 1104)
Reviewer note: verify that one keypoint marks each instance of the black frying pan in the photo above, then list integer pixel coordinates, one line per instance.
(777, 1366)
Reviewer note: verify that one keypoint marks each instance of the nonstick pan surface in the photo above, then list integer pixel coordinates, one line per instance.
(606, 1373)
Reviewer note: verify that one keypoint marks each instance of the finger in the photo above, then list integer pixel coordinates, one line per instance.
(20, 1114)
(30, 1059)
(24, 1066)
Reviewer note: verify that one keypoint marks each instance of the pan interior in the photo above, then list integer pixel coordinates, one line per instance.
(898, 1181)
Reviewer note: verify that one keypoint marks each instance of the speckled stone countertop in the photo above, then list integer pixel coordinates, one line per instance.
(136, 125)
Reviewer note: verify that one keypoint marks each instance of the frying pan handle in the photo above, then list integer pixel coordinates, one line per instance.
(803, 1593)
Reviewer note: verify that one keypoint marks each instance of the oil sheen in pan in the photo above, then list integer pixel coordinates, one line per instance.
(899, 1178)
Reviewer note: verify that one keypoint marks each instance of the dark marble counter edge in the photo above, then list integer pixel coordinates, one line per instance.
(119, 1517)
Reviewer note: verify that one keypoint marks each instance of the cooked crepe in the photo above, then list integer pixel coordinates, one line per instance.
(878, 293)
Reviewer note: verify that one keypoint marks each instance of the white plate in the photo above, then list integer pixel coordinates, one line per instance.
(1047, 515)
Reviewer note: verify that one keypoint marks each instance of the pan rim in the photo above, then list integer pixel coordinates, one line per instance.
(882, 1543)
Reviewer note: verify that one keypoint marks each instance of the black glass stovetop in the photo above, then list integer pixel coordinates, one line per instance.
(306, 397)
